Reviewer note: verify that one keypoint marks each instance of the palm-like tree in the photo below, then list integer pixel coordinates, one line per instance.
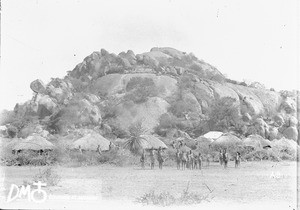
(135, 142)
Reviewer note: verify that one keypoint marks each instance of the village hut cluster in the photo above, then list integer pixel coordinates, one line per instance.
(184, 152)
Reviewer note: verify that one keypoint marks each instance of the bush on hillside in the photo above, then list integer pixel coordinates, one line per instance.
(181, 107)
(140, 89)
(223, 114)
(78, 85)
(7, 117)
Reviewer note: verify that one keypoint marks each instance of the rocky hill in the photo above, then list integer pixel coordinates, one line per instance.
(172, 93)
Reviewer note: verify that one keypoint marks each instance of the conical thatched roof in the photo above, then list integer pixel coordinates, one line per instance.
(213, 135)
(34, 142)
(91, 142)
(227, 140)
(256, 141)
(152, 141)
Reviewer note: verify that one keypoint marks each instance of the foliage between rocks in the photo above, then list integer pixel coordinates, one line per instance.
(140, 89)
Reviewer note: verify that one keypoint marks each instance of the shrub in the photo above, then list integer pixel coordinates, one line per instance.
(109, 109)
(167, 199)
(12, 131)
(78, 85)
(48, 176)
(134, 143)
(117, 130)
(167, 120)
(224, 114)
(6, 117)
(217, 77)
(185, 82)
(140, 89)
(181, 107)
(232, 81)
(262, 154)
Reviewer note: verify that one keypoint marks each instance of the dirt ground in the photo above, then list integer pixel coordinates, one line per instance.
(267, 182)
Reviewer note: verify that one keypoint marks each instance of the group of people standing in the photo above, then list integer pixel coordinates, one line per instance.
(223, 158)
(160, 158)
(187, 159)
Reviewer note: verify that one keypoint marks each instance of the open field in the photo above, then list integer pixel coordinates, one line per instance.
(272, 182)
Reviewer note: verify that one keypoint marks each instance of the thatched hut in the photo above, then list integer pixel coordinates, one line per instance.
(91, 142)
(256, 141)
(227, 141)
(34, 142)
(152, 142)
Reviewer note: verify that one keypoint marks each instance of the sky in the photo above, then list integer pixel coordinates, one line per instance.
(250, 40)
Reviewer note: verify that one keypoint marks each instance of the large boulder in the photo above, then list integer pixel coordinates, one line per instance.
(271, 100)
(60, 90)
(38, 86)
(273, 133)
(80, 112)
(292, 121)
(223, 91)
(250, 103)
(189, 98)
(129, 57)
(279, 120)
(157, 56)
(288, 105)
(116, 83)
(169, 51)
(46, 106)
(88, 113)
(204, 94)
(291, 133)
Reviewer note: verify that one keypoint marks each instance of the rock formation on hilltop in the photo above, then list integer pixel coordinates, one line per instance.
(169, 91)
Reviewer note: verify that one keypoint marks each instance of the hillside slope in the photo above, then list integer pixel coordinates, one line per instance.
(169, 91)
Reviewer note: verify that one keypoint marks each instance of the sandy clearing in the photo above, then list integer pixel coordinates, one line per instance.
(255, 182)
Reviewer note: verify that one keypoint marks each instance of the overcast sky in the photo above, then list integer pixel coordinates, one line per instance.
(253, 40)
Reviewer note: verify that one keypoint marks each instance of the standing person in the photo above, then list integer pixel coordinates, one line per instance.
(143, 157)
(160, 158)
(199, 160)
(237, 159)
(173, 144)
(80, 150)
(191, 159)
(178, 159)
(196, 161)
(99, 150)
(225, 158)
(110, 146)
(183, 160)
(180, 143)
(207, 160)
(188, 160)
(152, 160)
(221, 157)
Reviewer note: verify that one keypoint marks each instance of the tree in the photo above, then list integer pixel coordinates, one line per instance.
(135, 141)
(140, 89)
(224, 114)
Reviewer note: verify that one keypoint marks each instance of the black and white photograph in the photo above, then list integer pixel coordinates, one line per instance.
(150, 104)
